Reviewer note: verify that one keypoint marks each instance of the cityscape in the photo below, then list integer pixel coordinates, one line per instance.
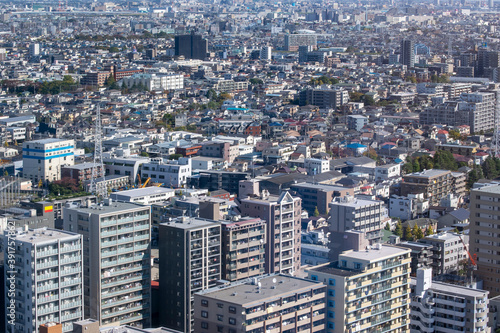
(236, 166)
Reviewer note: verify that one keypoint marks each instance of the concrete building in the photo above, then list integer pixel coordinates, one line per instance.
(273, 303)
(154, 82)
(170, 173)
(484, 232)
(117, 261)
(144, 196)
(79, 172)
(434, 184)
(124, 166)
(442, 307)
(409, 207)
(48, 279)
(293, 41)
(282, 215)
(318, 195)
(388, 171)
(324, 97)
(367, 290)
(191, 46)
(447, 252)
(356, 122)
(43, 159)
(408, 53)
(421, 255)
(190, 261)
(351, 213)
(243, 248)
(266, 53)
(316, 166)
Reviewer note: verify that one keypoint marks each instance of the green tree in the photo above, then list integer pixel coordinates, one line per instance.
(388, 226)
(175, 156)
(490, 168)
(114, 49)
(399, 230)
(256, 81)
(429, 231)
(316, 211)
(408, 234)
(455, 134)
(417, 232)
(145, 154)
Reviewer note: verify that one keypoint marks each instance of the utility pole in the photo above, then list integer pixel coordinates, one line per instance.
(98, 183)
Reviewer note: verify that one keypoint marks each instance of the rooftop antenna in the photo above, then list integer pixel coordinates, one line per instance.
(98, 188)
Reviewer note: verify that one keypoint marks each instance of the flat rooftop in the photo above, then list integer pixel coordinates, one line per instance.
(115, 207)
(453, 289)
(442, 237)
(190, 223)
(50, 140)
(321, 187)
(43, 235)
(245, 292)
(375, 253)
(428, 173)
(141, 192)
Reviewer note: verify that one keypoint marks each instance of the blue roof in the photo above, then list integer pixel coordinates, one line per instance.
(236, 109)
(355, 146)
(275, 124)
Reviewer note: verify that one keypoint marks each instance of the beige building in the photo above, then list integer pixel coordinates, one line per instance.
(243, 247)
(271, 304)
(484, 234)
(367, 290)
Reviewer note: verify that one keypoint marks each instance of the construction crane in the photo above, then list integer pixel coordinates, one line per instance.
(472, 258)
(140, 182)
(145, 183)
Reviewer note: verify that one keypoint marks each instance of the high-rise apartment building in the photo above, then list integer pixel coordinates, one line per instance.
(442, 307)
(48, 283)
(243, 248)
(293, 41)
(408, 53)
(283, 216)
(448, 251)
(367, 290)
(266, 53)
(324, 97)
(191, 46)
(190, 261)
(34, 50)
(117, 262)
(484, 234)
(42, 159)
(351, 213)
(274, 303)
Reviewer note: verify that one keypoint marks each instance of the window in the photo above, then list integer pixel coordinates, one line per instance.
(331, 292)
(314, 277)
(331, 304)
(232, 321)
(331, 314)
(331, 325)
(220, 305)
(232, 309)
(204, 302)
(204, 314)
(220, 317)
(204, 325)
(331, 282)
(220, 328)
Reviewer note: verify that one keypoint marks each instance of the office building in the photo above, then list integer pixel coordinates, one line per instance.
(117, 261)
(324, 97)
(318, 195)
(367, 290)
(34, 50)
(273, 303)
(48, 279)
(448, 251)
(43, 159)
(190, 261)
(243, 247)
(293, 41)
(442, 307)
(191, 46)
(408, 53)
(283, 215)
(266, 53)
(213, 180)
(434, 184)
(351, 213)
(316, 166)
(154, 81)
(168, 172)
(484, 234)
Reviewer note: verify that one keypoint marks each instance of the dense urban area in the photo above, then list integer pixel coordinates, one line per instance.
(234, 166)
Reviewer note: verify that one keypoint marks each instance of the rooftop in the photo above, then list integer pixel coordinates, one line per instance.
(272, 286)
(43, 235)
(114, 207)
(190, 223)
(375, 253)
(141, 192)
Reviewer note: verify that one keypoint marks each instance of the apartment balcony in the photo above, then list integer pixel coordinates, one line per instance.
(71, 293)
(47, 287)
(71, 316)
(46, 276)
(71, 282)
(69, 260)
(121, 312)
(69, 305)
(109, 303)
(50, 263)
(47, 310)
(50, 252)
(47, 299)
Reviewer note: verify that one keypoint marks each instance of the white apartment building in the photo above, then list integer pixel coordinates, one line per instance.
(315, 166)
(384, 172)
(351, 213)
(409, 207)
(169, 173)
(447, 308)
(124, 165)
(367, 290)
(17, 134)
(117, 261)
(144, 196)
(155, 82)
(48, 278)
(42, 159)
(448, 251)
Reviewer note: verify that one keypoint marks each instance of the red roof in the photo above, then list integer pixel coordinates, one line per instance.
(442, 132)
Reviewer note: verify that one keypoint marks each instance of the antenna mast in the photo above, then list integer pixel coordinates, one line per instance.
(98, 182)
